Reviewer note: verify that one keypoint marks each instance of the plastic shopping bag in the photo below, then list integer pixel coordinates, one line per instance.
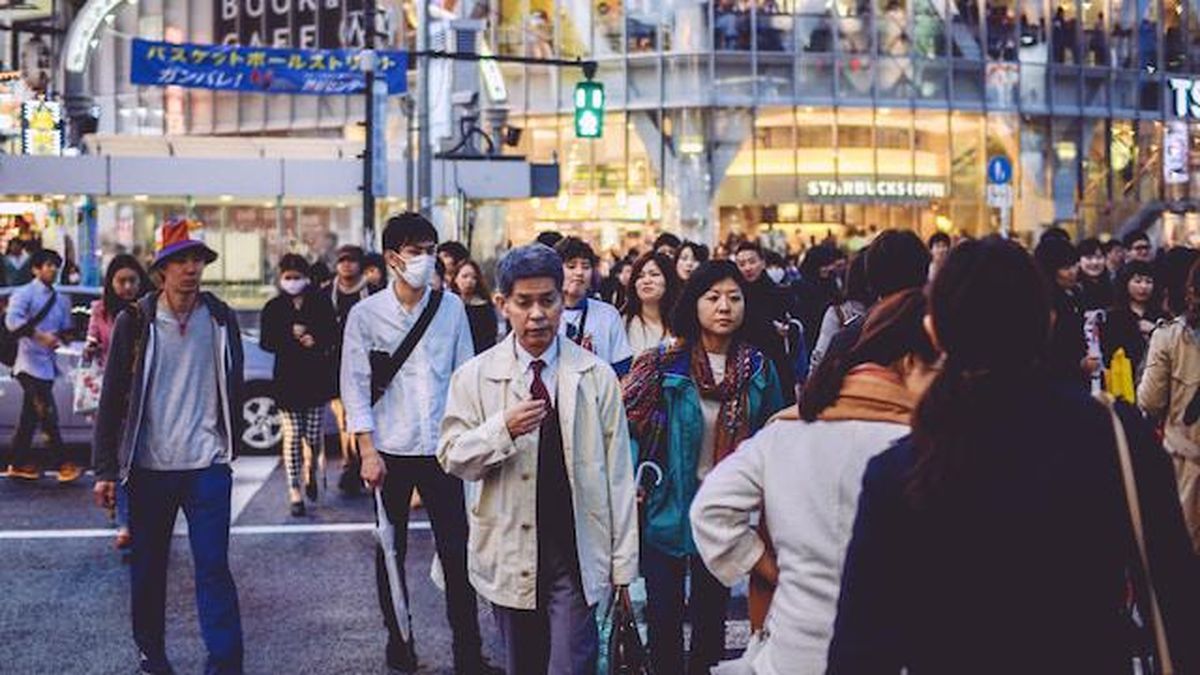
(744, 664)
(1119, 377)
(88, 380)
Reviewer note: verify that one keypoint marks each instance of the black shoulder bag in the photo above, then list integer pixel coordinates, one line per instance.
(10, 340)
(384, 366)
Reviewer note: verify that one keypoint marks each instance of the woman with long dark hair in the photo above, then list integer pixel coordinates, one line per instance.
(804, 472)
(1133, 315)
(997, 539)
(691, 256)
(614, 286)
(689, 406)
(649, 300)
(1172, 269)
(469, 284)
(852, 303)
(125, 281)
(817, 288)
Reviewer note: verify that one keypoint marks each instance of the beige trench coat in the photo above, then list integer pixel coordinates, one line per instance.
(501, 473)
(1169, 381)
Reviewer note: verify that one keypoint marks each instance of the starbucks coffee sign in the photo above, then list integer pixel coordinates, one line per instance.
(875, 189)
(1185, 97)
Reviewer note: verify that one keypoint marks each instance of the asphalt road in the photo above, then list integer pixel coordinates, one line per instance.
(306, 585)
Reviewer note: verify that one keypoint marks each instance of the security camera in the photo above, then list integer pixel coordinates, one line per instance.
(466, 99)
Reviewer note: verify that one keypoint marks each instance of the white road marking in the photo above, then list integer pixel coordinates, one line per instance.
(249, 475)
(312, 528)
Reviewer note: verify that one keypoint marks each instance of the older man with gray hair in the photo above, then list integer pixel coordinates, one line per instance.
(536, 427)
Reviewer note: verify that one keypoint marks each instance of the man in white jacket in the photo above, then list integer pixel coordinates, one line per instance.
(537, 428)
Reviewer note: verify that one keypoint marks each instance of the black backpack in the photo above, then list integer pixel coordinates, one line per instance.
(10, 340)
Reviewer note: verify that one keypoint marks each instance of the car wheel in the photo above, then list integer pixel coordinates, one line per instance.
(263, 432)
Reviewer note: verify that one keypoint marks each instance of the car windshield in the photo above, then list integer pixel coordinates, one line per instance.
(82, 297)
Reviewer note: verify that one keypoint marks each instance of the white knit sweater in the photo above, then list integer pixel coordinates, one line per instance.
(807, 478)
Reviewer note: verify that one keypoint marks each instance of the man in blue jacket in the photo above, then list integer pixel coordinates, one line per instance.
(166, 427)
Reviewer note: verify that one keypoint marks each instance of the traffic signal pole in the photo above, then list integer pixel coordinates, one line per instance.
(368, 186)
(424, 145)
(423, 56)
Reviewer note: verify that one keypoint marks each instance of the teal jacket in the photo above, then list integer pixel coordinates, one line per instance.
(665, 523)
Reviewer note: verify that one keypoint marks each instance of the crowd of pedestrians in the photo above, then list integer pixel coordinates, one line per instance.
(898, 448)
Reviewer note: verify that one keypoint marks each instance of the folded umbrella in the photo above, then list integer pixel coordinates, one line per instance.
(385, 531)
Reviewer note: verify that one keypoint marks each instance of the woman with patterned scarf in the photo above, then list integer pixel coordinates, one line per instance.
(689, 406)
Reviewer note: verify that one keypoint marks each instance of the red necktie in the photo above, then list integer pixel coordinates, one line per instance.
(537, 388)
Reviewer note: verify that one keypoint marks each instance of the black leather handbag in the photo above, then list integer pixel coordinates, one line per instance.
(626, 654)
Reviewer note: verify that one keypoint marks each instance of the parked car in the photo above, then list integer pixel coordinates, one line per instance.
(264, 425)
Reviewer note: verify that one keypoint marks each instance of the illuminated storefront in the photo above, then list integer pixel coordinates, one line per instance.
(796, 117)
(801, 117)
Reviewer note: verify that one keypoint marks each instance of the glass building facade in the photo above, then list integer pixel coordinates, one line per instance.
(801, 117)
(794, 117)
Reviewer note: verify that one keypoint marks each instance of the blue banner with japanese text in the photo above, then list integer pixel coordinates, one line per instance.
(263, 70)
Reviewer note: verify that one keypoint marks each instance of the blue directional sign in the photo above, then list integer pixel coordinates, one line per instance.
(263, 70)
(999, 170)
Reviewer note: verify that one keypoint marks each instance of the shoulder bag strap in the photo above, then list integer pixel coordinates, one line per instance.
(418, 330)
(27, 329)
(578, 337)
(383, 373)
(1162, 648)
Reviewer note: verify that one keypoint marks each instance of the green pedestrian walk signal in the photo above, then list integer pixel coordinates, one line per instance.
(589, 109)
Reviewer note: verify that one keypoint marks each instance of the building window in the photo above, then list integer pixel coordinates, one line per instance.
(1064, 33)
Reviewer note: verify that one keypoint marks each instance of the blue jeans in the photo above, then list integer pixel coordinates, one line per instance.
(155, 498)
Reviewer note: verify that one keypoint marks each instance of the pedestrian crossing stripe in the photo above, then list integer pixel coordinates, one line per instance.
(304, 528)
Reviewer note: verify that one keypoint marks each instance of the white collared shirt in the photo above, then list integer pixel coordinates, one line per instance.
(32, 358)
(603, 331)
(406, 419)
(549, 371)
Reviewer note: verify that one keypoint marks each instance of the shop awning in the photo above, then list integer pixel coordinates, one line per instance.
(304, 169)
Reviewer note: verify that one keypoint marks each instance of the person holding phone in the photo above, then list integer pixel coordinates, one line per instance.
(300, 328)
(537, 428)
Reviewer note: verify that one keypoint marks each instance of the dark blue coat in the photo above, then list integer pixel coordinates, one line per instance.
(1023, 571)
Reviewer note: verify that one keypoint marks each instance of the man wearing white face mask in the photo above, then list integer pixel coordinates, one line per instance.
(401, 346)
(299, 327)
